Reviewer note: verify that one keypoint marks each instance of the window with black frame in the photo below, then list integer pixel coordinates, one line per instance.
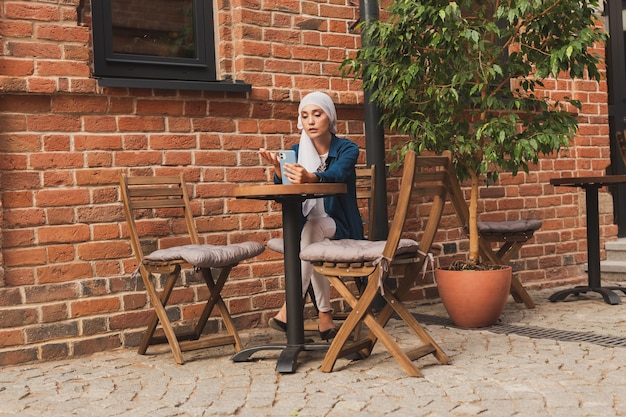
(156, 44)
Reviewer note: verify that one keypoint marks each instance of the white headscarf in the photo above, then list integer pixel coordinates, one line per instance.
(307, 154)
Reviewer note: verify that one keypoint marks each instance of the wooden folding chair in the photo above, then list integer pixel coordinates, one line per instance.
(164, 202)
(342, 259)
(510, 235)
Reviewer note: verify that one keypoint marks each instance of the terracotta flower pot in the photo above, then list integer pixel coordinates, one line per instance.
(474, 298)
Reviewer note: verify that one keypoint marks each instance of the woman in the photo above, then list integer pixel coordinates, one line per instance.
(322, 157)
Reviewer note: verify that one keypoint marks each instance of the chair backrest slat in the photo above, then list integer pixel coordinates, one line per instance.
(153, 180)
(366, 190)
(158, 204)
(156, 192)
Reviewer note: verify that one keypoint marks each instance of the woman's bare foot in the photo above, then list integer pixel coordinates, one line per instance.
(326, 321)
(326, 326)
(279, 321)
(282, 314)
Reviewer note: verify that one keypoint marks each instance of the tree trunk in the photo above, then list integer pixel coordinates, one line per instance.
(473, 220)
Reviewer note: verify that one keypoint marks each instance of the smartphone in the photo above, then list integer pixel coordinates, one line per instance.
(286, 157)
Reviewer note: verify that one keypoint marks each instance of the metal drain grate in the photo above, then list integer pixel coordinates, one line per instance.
(534, 332)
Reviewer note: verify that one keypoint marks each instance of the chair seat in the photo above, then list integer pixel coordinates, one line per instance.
(353, 251)
(208, 256)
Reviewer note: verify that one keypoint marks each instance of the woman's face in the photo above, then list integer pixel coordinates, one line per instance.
(315, 122)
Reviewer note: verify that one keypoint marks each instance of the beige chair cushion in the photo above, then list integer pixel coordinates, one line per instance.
(209, 256)
(353, 251)
(276, 244)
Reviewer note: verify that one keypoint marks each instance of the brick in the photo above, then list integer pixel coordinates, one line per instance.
(99, 159)
(66, 197)
(24, 104)
(97, 344)
(130, 320)
(56, 160)
(103, 250)
(94, 306)
(173, 158)
(62, 272)
(51, 313)
(79, 104)
(141, 124)
(51, 293)
(17, 238)
(211, 124)
(93, 287)
(172, 141)
(16, 67)
(92, 177)
(31, 11)
(17, 317)
(19, 356)
(28, 256)
(63, 33)
(11, 337)
(13, 122)
(107, 268)
(133, 159)
(42, 85)
(58, 216)
(53, 122)
(105, 231)
(95, 325)
(34, 49)
(54, 351)
(19, 276)
(57, 143)
(134, 301)
(12, 84)
(166, 107)
(10, 297)
(60, 178)
(181, 296)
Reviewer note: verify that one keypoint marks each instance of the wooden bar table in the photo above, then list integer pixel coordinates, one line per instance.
(591, 185)
(290, 196)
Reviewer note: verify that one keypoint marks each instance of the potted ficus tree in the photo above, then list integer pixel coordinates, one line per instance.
(475, 77)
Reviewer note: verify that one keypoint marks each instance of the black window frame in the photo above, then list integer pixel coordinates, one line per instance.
(142, 71)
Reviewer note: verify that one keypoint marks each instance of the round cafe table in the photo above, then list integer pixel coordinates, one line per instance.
(290, 196)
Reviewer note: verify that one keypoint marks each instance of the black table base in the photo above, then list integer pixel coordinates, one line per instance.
(591, 185)
(291, 198)
(288, 359)
(607, 293)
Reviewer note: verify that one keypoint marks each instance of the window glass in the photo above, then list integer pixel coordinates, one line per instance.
(138, 28)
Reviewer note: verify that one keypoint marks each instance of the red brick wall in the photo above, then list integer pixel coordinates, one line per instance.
(66, 260)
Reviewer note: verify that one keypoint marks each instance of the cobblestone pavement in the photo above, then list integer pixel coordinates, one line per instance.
(531, 364)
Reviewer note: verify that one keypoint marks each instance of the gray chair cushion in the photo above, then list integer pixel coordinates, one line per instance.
(353, 251)
(509, 227)
(276, 244)
(209, 256)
